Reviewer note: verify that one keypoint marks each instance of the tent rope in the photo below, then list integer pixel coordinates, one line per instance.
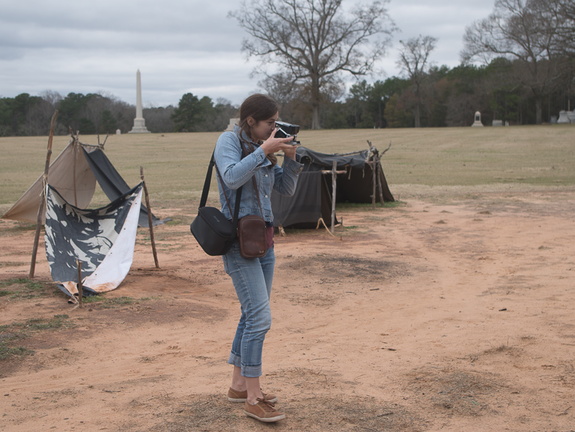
(320, 221)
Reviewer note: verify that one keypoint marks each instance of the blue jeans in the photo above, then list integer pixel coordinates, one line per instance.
(252, 279)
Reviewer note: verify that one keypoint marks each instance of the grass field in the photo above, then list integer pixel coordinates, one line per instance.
(419, 159)
(453, 306)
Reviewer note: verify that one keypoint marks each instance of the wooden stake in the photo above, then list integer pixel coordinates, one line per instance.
(42, 196)
(79, 285)
(375, 164)
(334, 172)
(373, 182)
(379, 181)
(76, 148)
(150, 223)
(333, 192)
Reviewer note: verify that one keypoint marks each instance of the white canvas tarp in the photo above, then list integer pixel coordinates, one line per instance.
(102, 240)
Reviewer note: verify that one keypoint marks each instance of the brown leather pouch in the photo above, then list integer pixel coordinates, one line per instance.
(252, 236)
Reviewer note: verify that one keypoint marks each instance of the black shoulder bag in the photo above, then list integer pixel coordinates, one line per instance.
(213, 231)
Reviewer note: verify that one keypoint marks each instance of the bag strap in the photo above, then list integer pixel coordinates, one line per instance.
(206, 190)
(207, 182)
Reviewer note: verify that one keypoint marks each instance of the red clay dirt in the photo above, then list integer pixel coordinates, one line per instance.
(429, 316)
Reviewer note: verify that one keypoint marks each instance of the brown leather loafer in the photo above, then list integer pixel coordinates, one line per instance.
(263, 411)
(242, 396)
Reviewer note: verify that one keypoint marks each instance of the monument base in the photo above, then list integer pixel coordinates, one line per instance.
(477, 119)
(139, 126)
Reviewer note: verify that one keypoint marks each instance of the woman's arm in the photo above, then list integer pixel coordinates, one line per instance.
(234, 170)
(286, 177)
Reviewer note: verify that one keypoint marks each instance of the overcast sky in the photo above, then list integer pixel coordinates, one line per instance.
(179, 46)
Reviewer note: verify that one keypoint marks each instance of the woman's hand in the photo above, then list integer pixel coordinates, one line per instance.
(290, 150)
(273, 145)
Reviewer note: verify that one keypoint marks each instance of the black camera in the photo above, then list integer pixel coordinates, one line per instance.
(286, 130)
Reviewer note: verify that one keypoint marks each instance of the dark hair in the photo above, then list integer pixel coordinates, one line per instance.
(259, 107)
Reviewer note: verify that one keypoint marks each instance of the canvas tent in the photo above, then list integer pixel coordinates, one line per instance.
(74, 174)
(99, 242)
(102, 240)
(313, 196)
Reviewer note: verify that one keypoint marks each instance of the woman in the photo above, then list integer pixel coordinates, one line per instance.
(242, 155)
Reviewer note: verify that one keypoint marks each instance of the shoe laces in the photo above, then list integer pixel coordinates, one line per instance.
(266, 405)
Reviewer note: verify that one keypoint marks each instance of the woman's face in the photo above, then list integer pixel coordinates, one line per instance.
(261, 130)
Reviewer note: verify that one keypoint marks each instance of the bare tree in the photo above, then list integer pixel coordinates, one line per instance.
(281, 87)
(564, 16)
(522, 30)
(413, 60)
(52, 97)
(38, 117)
(314, 40)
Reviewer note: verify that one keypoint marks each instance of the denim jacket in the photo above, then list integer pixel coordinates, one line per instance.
(236, 172)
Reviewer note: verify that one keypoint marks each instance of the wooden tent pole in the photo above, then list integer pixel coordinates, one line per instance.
(150, 223)
(333, 192)
(377, 173)
(76, 143)
(80, 285)
(379, 180)
(380, 174)
(334, 172)
(42, 195)
(373, 181)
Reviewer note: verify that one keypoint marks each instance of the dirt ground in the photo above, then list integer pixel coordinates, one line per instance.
(449, 315)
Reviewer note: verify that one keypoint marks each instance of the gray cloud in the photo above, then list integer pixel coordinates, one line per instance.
(72, 46)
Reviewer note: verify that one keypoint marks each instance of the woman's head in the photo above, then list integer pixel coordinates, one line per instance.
(258, 114)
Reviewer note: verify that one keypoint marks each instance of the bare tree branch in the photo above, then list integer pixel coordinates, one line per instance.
(413, 60)
(524, 30)
(313, 40)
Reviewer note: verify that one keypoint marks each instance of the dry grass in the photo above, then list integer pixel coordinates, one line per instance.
(419, 159)
(311, 414)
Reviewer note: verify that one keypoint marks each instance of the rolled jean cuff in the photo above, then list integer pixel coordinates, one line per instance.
(247, 371)
(235, 360)
(251, 371)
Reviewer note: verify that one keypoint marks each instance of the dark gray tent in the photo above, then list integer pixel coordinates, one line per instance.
(112, 183)
(313, 197)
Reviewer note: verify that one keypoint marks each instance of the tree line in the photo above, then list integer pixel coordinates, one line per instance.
(305, 47)
(444, 97)
(517, 66)
(95, 113)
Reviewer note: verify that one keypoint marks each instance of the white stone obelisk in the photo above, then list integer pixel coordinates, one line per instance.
(139, 122)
